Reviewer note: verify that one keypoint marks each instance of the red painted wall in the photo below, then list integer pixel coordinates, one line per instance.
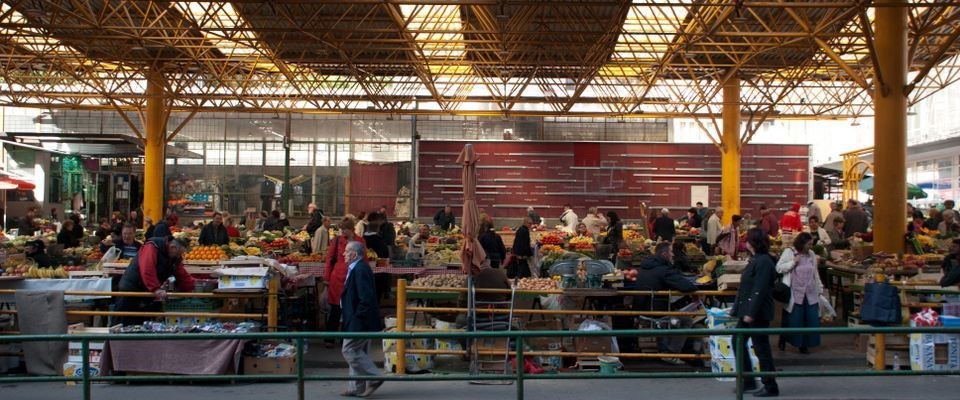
(617, 176)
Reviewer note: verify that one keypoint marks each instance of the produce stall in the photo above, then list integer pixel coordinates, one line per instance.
(549, 352)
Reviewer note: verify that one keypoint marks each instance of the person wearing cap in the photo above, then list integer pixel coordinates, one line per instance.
(663, 227)
(158, 260)
(791, 219)
(34, 250)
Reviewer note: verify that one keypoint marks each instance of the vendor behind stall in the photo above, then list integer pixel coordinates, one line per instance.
(28, 225)
(34, 250)
(66, 237)
(126, 242)
(418, 244)
(951, 266)
(214, 233)
(658, 273)
(158, 260)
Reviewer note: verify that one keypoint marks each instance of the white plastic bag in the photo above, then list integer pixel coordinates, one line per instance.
(111, 255)
(827, 311)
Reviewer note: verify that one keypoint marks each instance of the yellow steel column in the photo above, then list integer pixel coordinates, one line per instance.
(730, 150)
(154, 147)
(890, 127)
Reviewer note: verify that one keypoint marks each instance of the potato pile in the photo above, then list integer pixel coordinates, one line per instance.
(537, 284)
(447, 280)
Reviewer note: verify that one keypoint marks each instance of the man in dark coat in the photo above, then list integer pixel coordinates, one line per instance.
(445, 219)
(27, 227)
(754, 308)
(361, 313)
(856, 219)
(214, 233)
(658, 273)
(316, 219)
(522, 252)
(663, 227)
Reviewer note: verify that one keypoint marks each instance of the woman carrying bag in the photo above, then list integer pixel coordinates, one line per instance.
(798, 264)
(754, 308)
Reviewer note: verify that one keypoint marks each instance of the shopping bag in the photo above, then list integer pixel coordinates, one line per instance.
(111, 255)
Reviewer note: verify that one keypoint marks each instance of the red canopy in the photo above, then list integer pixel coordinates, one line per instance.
(5, 181)
(472, 252)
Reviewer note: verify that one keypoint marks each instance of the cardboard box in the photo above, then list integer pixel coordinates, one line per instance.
(728, 282)
(721, 322)
(419, 343)
(934, 352)
(543, 343)
(594, 344)
(722, 347)
(269, 365)
(720, 365)
(415, 362)
(243, 278)
(75, 369)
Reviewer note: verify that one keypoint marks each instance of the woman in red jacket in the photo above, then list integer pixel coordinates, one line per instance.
(791, 219)
(335, 271)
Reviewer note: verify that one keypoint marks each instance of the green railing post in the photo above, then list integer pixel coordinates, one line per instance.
(300, 388)
(85, 364)
(740, 347)
(519, 366)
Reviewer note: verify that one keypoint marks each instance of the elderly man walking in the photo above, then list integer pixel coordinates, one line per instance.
(361, 313)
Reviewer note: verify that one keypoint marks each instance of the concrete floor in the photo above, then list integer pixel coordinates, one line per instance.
(837, 353)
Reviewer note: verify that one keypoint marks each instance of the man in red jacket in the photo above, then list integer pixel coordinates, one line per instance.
(158, 260)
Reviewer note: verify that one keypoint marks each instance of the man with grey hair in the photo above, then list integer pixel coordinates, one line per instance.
(949, 223)
(663, 227)
(360, 313)
(714, 226)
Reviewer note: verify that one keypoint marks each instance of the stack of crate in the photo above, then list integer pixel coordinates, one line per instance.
(74, 365)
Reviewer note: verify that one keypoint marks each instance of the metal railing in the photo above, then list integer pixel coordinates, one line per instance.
(518, 376)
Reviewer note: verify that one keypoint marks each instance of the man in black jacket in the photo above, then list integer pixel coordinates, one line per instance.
(361, 313)
(214, 233)
(522, 252)
(663, 227)
(445, 219)
(27, 227)
(658, 273)
(316, 219)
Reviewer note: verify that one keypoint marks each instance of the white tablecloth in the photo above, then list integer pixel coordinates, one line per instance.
(84, 285)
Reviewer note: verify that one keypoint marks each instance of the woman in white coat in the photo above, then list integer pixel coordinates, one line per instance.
(798, 264)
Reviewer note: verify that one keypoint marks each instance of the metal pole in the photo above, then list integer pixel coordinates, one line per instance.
(300, 388)
(890, 127)
(85, 364)
(519, 364)
(738, 354)
(285, 194)
(880, 355)
(401, 363)
(730, 150)
(273, 303)
(153, 149)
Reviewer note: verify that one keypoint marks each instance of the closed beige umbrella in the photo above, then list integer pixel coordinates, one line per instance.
(471, 253)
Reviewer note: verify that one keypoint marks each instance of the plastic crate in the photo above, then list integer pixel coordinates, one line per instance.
(193, 305)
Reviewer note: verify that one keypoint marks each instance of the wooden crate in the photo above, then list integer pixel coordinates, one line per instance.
(902, 355)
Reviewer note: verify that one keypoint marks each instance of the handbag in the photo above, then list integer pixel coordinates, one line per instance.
(781, 292)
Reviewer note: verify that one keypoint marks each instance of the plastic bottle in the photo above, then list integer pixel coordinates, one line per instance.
(896, 362)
